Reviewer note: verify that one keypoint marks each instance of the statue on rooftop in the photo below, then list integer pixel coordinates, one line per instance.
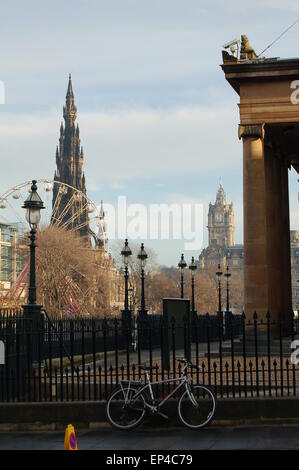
(247, 51)
(236, 54)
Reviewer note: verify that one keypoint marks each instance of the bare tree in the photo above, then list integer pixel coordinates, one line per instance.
(69, 281)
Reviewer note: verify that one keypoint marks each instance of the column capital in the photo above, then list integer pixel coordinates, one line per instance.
(251, 130)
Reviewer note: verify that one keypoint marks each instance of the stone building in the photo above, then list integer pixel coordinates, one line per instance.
(69, 161)
(269, 130)
(235, 257)
(221, 221)
(13, 255)
(221, 248)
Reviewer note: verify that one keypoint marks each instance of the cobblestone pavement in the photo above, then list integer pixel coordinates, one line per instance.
(261, 437)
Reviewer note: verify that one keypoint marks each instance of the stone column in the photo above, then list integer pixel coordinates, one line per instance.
(273, 213)
(255, 227)
(267, 282)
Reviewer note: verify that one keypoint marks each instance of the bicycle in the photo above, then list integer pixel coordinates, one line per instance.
(128, 404)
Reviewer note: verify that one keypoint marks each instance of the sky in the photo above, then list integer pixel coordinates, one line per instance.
(158, 122)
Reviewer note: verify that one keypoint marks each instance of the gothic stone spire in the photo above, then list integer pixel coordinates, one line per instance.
(69, 159)
(69, 110)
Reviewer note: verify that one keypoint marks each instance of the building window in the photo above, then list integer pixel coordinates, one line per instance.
(5, 252)
(5, 234)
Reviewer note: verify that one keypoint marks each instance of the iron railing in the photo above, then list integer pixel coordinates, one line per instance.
(84, 359)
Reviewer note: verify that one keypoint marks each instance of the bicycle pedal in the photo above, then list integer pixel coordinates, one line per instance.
(162, 414)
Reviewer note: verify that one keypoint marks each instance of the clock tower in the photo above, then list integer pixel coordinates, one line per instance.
(221, 221)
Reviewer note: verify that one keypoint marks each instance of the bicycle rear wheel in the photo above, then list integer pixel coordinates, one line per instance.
(123, 410)
(198, 409)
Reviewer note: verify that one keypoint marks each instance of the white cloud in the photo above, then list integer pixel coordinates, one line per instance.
(116, 186)
(124, 145)
(152, 143)
(290, 5)
(124, 56)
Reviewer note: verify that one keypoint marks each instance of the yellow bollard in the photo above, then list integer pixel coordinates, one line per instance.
(70, 441)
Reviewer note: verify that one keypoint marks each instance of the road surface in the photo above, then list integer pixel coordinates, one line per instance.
(261, 437)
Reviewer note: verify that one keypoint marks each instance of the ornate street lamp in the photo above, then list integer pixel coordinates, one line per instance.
(126, 254)
(32, 311)
(131, 293)
(182, 265)
(142, 256)
(193, 268)
(219, 275)
(132, 310)
(33, 206)
(227, 275)
(126, 313)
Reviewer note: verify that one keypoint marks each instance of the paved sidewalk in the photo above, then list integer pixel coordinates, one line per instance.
(268, 437)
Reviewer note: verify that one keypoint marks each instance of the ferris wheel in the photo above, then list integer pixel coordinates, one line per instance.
(11, 211)
(65, 211)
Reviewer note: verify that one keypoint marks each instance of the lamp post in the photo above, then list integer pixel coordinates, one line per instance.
(142, 256)
(219, 275)
(227, 275)
(192, 267)
(131, 292)
(126, 254)
(182, 265)
(126, 314)
(131, 308)
(32, 310)
(33, 206)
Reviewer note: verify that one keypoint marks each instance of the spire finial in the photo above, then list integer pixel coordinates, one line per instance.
(70, 110)
(102, 212)
(221, 196)
(70, 88)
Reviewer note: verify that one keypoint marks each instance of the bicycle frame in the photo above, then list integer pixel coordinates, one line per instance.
(153, 407)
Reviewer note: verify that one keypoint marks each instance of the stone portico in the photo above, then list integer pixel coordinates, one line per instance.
(269, 129)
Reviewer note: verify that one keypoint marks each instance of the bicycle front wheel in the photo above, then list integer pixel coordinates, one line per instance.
(123, 410)
(196, 409)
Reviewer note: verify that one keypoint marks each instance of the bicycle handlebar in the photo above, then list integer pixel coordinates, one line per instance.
(183, 360)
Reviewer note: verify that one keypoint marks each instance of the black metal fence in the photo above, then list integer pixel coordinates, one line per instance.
(84, 359)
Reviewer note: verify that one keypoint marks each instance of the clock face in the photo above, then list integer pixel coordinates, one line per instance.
(219, 217)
